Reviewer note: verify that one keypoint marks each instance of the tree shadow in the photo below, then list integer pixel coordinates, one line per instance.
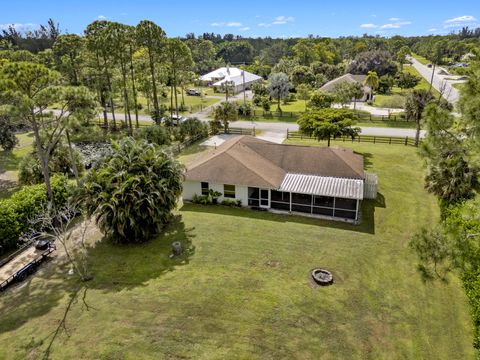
(35, 296)
(118, 267)
(366, 225)
(114, 267)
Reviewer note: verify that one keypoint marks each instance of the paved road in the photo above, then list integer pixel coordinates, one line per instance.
(281, 127)
(439, 81)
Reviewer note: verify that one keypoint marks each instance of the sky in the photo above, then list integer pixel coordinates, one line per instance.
(281, 18)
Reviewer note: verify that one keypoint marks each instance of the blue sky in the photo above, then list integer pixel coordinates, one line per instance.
(254, 18)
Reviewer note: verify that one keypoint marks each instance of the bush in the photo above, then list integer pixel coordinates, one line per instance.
(266, 104)
(385, 84)
(25, 204)
(395, 101)
(257, 100)
(231, 203)
(154, 134)
(8, 140)
(30, 172)
(245, 109)
(134, 194)
(192, 128)
(321, 100)
(406, 80)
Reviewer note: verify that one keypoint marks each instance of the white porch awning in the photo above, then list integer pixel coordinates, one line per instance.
(323, 186)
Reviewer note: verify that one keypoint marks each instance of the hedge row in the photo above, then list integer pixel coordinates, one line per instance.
(23, 205)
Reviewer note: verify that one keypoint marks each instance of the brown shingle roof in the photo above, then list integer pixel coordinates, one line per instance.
(249, 161)
(350, 78)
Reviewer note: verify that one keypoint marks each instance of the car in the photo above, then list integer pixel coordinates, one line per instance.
(173, 120)
(429, 65)
(193, 92)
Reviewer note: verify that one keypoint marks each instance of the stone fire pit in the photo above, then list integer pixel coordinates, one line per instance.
(322, 277)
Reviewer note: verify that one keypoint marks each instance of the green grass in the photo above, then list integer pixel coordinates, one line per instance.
(9, 162)
(422, 85)
(242, 291)
(459, 86)
(421, 59)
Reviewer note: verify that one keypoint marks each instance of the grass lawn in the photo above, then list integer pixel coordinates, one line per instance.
(242, 290)
(421, 59)
(423, 84)
(9, 162)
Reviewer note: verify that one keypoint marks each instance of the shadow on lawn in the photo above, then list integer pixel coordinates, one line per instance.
(367, 224)
(114, 267)
(117, 267)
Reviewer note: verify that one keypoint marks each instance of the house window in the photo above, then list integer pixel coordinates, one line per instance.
(204, 186)
(229, 191)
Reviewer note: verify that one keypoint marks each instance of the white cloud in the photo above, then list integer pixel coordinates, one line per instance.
(390, 26)
(394, 19)
(433, 30)
(461, 19)
(246, 28)
(374, 15)
(281, 20)
(20, 27)
(395, 25)
(227, 24)
(101, 17)
(368, 26)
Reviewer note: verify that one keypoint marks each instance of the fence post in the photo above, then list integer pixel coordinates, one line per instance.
(406, 140)
(374, 139)
(254, 131)
(287, 133)
(370, 116)
(390, 141)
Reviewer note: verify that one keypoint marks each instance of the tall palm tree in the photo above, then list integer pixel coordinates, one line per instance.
(372, 81)
(415, 103)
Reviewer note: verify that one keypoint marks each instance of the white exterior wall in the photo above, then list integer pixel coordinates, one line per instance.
(191, 188)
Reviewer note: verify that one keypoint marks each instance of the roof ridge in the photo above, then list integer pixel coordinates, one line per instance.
(345, 162)
(240, 160)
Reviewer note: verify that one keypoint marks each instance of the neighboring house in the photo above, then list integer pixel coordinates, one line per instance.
(350, 78)
(239, 79)
(315, 181)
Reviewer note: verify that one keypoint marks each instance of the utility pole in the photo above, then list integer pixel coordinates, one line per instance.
(244, 91)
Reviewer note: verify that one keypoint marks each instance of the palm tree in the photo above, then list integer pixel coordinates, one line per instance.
(225, 112)
(372, 81)
(132, 197)
(415, 103)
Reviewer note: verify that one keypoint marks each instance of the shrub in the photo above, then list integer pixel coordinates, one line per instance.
(192, 128)
(154, 134)
(257, 100)
(245, 110)
(321, 100)
(30, 172)
(132, 197)
(231, 203)
(25, 204)
(266, 103)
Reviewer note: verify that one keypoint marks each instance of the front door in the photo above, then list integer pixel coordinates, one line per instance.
(264, 198)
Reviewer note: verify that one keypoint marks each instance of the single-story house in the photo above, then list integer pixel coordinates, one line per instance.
(239, 79)
(350, 78)
(308, 180)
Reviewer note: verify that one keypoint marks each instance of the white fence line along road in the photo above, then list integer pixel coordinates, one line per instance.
(439, 81)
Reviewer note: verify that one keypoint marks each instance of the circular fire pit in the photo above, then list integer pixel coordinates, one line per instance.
(322, 277)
